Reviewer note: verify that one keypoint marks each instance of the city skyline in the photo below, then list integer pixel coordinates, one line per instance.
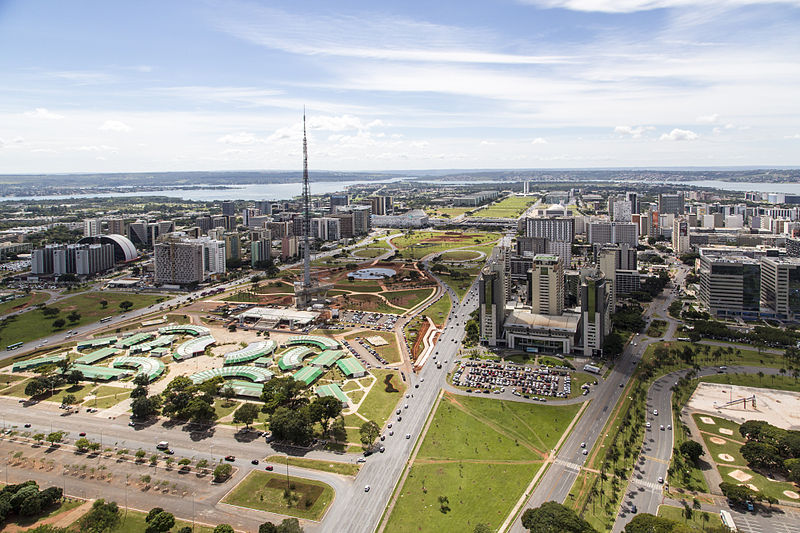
(95, 87)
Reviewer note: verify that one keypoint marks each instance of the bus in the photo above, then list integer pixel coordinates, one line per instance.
(106, 319)
(13, 346)
(727, 520)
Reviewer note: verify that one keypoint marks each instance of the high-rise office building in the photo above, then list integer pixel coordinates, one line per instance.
(492, 301)
(680, 236)
(596, 313)
(92, 227)
(671, 204)
(780, 287)
(228, 208)
(546, 285)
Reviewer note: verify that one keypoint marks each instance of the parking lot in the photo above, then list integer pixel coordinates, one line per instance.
(376, 321)
(526, 381)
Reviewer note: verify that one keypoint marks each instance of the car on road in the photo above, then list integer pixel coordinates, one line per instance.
(268, 468)
(230, 458)
(366, 488)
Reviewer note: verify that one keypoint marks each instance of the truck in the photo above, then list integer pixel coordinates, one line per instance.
(591, 368)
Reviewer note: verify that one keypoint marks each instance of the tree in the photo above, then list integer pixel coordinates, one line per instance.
(369, 432)
(552, 516)
(125, 305)
(69, 399)
(291, 426)
(222, 472)
(160, 522)
(74, 377)
(223, 528)
(692, 450)
(246, 414)
(101, 517)
(282, 392)
(323, 410)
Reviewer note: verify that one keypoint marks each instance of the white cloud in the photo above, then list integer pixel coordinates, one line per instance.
(630, 6)
(41, 112)
(708, 119)
(539, 140)
(114, 125)
(242, 138)
(635, 132)
(678, 134)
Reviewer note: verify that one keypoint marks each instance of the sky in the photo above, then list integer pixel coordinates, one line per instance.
(99, 86)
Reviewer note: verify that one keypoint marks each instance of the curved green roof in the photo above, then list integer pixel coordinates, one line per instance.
(323, 343)
(185, 329)
(152, 368)
(294, 357)
(253, 373)
(251, 352)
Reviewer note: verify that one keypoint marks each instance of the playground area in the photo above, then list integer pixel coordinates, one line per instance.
(739, 403)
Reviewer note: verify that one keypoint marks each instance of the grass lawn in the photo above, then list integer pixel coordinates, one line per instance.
(133, 522)
(460, 255)
(367, 302)
(417, 244)
(34, 298)
(345, 469)
(480, 454)
(27, 521)
(369, 253)
(34, 325)
(461, 279)
(764, 485)
(475, 492)
(657, 328)
(225, 407)
(359, 286)
(744, 357)
(265, 491)
(408, 299)
(379, 404)
(697, 521)
(438, 312)
(509, 207)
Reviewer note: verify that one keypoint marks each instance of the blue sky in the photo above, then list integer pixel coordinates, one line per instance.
(99, 86)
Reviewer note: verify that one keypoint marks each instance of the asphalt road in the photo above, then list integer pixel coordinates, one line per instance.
(557, 482)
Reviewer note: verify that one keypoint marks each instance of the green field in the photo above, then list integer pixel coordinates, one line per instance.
(438, 312)
(266, 492)
(345, 469)
(509, 207)
(133, 522)
(408, 299)
(30, 300)
(418, 244)
(33, 324)
(697, 521)
(479, 454)
(461, 279)
(379, 404)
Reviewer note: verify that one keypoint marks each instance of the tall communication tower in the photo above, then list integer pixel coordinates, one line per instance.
(306, 213)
